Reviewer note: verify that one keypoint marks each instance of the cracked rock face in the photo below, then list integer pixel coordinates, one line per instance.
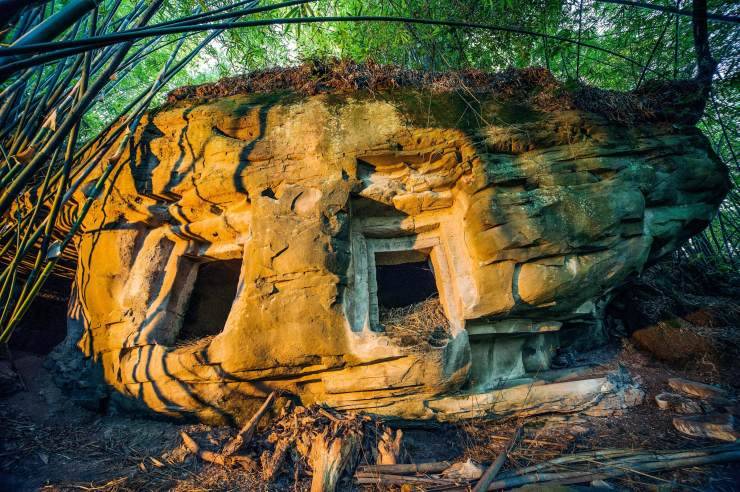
(239, 245)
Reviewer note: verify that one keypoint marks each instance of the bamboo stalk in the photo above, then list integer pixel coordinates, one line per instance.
(23, 301)
(390, 479)
(672, 10)
(405, 469)
(608, 471)
(75, 114)
(71, 13)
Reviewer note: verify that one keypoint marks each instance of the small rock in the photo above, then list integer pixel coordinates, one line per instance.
(620, 393)
(718, 426)
(467, 470)
(678, 403)
(693, 388)
(674, 341)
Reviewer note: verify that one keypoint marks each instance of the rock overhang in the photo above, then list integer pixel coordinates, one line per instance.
(528, 213)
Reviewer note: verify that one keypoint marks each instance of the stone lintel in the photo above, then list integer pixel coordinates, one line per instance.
(477, 328)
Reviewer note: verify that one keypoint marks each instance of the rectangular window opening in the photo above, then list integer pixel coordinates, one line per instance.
(409, 308)
(210, 300)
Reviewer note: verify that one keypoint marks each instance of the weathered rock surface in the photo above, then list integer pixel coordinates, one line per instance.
(234, 251)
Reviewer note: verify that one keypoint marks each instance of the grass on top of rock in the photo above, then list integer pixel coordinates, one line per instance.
(671, 101)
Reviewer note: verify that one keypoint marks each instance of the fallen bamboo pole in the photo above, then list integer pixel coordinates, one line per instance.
(406, 469)
(608, 471)
(619, 456)
(388, 479)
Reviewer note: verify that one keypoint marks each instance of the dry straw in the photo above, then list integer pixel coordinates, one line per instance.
(418, 327)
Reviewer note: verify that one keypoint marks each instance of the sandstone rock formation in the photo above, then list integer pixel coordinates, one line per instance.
(238, 245)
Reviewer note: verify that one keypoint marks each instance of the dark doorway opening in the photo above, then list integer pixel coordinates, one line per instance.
(211, 299)
(404, 284)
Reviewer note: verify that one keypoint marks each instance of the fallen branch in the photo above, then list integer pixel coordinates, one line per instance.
(244, 461)
(328, 415)
(246, 432)
(619, 456)
(388, 479)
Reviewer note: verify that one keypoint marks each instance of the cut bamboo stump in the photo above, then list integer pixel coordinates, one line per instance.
(389, 446)
(330, 454)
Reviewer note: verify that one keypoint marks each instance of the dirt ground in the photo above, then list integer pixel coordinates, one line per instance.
(48, 443)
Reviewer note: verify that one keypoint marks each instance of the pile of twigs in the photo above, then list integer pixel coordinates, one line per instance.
(304, 439)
